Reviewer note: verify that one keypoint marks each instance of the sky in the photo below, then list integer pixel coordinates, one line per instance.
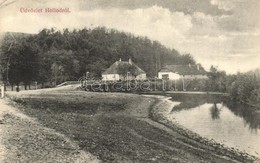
(223, 33)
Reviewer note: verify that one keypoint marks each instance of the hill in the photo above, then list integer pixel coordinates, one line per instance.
(56, 56)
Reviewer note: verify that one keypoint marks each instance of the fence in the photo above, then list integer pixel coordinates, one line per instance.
(144, 86)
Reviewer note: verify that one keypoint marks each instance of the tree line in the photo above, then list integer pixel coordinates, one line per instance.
(242, 87)
(54, 56)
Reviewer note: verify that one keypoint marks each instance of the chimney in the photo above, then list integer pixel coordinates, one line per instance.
(130, 61)
(120, 60)
(198, 66)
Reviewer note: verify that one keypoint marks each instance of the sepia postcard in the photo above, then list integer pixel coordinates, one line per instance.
(129, 81)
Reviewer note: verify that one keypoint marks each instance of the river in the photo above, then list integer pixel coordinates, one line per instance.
(214, 117)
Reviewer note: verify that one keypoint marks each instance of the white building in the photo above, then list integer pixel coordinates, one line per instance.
(113, 72)
(175, 72)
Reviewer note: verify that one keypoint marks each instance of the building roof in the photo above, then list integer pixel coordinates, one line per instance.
(184, 69)
(113, 69)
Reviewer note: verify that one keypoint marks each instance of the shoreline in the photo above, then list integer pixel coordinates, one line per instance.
(151, 111)
(159, 114)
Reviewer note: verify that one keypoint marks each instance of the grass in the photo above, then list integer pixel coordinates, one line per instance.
(94, 125)
(110, 126)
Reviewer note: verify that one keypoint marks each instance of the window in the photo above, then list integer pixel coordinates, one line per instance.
(165, 76)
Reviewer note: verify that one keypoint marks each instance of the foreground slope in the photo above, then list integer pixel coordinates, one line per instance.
(118, 127)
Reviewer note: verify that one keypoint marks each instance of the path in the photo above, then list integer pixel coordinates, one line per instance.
(23, 139)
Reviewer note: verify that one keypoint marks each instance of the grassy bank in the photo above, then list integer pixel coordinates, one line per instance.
(116, 127)
(23, 139)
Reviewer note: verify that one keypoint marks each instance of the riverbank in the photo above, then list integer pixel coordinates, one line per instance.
(187, 92)
(119, 127)
(164, 116)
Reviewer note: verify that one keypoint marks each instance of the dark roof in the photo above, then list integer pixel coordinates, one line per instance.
(114, 67)
(184, 69)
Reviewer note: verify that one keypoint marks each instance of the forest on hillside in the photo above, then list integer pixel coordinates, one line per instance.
(58, 56)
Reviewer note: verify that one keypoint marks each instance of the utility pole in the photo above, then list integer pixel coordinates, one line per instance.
(174, 84)
(127, 80)
(9, 58)
(36, 85)
(8, 64)
(86, 79)
(87, 74)
(183, 84)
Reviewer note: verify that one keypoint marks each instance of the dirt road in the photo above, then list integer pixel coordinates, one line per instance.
(23, 139)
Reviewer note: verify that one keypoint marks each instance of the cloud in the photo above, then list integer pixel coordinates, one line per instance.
(244, 14)
(185, 6)
(229, 53)
(224, 4)
(155, 22)
(218, 32)
(229, 49)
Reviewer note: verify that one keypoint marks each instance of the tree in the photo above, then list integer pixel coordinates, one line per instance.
(29, 63)
(38, 57)
(186, 59)
(217, 80)
(14, 53)
(245, 88)
(57, 73)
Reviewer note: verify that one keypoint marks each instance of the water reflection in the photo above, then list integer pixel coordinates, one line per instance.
(251, 118)
(189, 101)
(218, 118)
(215, 112)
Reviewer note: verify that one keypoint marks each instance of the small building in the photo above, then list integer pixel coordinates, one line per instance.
(175, 72)
(123, 70)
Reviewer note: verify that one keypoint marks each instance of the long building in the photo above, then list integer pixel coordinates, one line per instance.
(175, 72)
